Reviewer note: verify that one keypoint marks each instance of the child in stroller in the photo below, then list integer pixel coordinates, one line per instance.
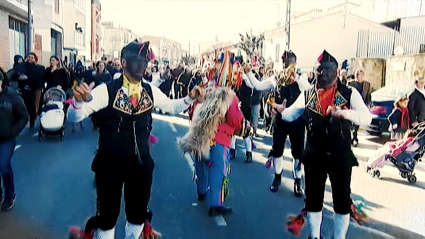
(404, 154)
(52, 118)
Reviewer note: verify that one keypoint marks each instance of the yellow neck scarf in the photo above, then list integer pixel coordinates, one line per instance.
(134, 89)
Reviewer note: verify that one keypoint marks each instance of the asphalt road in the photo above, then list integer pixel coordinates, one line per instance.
(54, 186)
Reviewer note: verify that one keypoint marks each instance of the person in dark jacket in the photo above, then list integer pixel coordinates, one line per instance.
(31, 85)
(399, 119)
(56, 75)
(365, 90)
(416, 104)
(13, 118)
(195, 81)
(101, 75)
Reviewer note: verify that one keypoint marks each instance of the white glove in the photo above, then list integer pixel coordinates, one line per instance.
(395, 126)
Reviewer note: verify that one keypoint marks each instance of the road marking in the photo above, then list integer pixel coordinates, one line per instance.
(190, 162)
(220, 221)
(194, 204)
(171, 125)
(34, 135)
(17, 147)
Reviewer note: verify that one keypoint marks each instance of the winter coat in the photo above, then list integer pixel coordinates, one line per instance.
(13, 114)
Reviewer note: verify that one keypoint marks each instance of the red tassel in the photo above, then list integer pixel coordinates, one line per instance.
(149, 232)
(78, 233)
(153, 139)
(296, 223)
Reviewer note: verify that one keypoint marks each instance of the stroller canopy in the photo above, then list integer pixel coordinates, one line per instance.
(54, 94)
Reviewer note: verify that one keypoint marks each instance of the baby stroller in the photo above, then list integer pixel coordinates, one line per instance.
(52, 118)
(404, 154)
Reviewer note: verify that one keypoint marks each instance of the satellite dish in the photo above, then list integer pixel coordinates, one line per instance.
(398, 51)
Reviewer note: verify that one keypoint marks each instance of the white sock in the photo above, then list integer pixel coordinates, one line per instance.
(297, 173)
(108, 234)
(248, 144)
(278, 165)
(133, 231)
(341, 223)
(314, 222)
(233, 144)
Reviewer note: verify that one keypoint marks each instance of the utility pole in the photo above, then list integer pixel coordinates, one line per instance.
(29, 33)
(288, 24)
(345, 14)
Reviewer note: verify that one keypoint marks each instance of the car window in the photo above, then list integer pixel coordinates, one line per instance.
(395, 90)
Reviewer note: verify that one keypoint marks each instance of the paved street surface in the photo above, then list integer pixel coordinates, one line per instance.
(54, 187)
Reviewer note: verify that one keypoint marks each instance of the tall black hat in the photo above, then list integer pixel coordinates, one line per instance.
(288, 54)
(137, 48)
(326, 57)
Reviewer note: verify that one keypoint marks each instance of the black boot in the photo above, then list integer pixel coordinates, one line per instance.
(248, 157)
(201, 197)
(232, 153)
(276, 182)
(298, 192)
(214, 211)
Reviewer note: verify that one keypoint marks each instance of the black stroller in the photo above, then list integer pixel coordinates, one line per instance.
(407, 160)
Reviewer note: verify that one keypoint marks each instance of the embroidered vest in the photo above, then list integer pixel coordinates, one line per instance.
(290, 92)
(124, 129)
(326, 133)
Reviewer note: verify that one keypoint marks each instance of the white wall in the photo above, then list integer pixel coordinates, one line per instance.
(309, 39)
(69, 25)
(413, 21)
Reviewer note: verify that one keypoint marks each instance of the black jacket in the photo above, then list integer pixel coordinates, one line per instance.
(13, 114)
(416, 106)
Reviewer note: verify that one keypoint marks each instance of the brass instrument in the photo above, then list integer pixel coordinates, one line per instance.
(289, 75)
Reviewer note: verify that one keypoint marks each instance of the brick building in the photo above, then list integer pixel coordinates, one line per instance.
(13, 28)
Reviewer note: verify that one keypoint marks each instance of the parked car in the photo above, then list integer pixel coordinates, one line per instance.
(383, 104)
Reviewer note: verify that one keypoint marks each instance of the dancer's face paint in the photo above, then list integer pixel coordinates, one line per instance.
(135, 66)
(327, 74)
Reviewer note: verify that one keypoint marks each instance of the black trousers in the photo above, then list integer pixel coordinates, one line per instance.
(296, 132)
(317, 168)
(29, 101)
(137, 181)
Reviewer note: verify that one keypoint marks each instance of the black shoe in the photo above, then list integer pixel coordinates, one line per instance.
(248, 157)
(201, 197)
(215, 211)
(232, 153)
(298, 192)
(276, 182)
(8, 204)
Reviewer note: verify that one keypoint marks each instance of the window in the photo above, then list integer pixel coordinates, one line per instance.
(57, 6)
(277, 52)
(79, 38)
(17, 38)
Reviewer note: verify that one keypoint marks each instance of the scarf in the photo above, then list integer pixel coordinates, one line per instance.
(405, 119)
(134, 90)
(326, 98)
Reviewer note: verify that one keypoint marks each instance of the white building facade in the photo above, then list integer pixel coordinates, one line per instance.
(74, 31)
(48, 26)
(337, 33)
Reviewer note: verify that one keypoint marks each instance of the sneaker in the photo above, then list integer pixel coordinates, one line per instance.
(8, 204)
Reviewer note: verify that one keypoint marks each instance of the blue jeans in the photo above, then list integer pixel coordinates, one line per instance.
(211, 176)
(6, 152)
